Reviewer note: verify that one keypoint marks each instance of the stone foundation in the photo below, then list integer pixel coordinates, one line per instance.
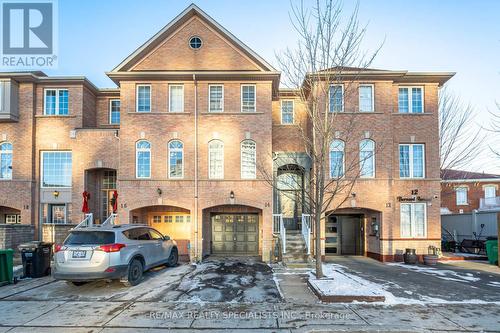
(11, 235)
(56, 233)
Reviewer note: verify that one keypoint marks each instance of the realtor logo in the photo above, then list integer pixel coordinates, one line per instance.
(29, 33)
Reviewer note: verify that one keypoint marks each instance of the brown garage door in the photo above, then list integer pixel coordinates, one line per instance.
(235, 234)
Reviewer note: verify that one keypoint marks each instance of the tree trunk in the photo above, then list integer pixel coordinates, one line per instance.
(317, 251)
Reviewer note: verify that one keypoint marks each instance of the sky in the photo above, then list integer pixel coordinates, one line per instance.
(461, 36)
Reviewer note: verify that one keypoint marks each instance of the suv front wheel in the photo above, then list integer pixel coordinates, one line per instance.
(134, 275)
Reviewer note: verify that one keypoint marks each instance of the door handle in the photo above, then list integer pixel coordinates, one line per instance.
(140, 246)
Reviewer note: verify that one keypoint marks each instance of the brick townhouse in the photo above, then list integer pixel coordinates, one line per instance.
(179, 141)
(466, 191)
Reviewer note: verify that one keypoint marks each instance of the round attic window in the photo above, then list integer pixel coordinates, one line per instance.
(195, 42)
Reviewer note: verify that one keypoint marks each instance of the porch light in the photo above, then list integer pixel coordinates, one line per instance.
(159, 191)
(55, 194)
(231, 195)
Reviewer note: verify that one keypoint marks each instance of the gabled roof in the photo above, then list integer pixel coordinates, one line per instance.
(184, 16)
(450, 174)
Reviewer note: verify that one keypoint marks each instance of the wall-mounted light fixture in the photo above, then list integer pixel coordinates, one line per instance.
(231, 195)
(55, 194)
(159, 191)
(353, 194)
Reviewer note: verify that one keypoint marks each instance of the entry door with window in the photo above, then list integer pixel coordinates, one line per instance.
(235, 234)
(58, 214)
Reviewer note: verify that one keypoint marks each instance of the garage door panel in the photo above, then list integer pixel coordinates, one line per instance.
(235, 233)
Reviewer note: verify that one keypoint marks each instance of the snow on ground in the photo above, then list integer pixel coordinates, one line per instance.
(443, 274)
(340, 282)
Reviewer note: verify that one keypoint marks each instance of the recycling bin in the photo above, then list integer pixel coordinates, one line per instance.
(6, 266)
(492, 251)
(36, 259)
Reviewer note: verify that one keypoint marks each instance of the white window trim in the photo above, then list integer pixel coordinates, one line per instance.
(255, 98)
(293, 111)
(2, 152)
(373, 97)
(57, 101)
(410, 105)
(170, 97)
(223, 166)
(222, 101)
(137, 159)
(494, 187)
(410, 154)
(110, 109)
(466, 190)
(329, 97)
(412, 219)
(241, 160)
(330, 162)
(374, 161)
(168, 159)
(137, 97)
(41, 167)
(17, 218)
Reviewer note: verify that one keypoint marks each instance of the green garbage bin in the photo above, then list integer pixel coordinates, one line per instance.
(6, 266)
(492, 251)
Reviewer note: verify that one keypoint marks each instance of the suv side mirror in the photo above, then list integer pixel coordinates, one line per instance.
(166, 238)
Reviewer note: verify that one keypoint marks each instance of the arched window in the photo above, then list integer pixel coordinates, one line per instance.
(143, 159)
(248, 159)
(216, 159)
(6, 160)
(337, 158)
(175, 159)
(367, 158)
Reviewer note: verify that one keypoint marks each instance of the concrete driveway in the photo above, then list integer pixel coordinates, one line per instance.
(214, 280)
(444, 283)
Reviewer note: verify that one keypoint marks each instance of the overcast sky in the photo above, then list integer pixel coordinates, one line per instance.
(462, 36)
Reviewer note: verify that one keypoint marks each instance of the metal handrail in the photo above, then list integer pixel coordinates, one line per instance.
(88, 221)
(279, 228)
(111, 219)
(306, 231)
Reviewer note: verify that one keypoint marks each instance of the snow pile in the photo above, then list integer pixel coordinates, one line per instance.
(443, 274)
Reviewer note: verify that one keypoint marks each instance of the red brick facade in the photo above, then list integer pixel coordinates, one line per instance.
(97, 146)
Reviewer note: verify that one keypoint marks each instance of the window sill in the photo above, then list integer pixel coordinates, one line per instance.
(231, 113)
(54, 116)
(423, 178)
(160, 113)
(462, 204)
(412, 114)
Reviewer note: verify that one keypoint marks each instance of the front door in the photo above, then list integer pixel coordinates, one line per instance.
(350, 234)
(235, 234)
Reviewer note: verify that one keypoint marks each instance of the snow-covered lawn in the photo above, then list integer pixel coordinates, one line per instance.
(443, 274)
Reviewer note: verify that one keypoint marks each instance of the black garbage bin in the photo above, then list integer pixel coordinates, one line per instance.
(36, 258)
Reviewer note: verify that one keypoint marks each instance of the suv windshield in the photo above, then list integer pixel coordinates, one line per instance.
(90, 238)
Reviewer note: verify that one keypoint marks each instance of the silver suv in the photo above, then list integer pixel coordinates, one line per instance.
(121, 252)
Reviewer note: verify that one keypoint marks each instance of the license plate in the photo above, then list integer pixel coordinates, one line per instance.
(79, 254)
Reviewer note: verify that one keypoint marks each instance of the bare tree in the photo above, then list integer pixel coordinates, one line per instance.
(459, 142)
(323, 70)
(495, 128)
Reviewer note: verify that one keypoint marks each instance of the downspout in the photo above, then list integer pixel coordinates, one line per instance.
(196, 169)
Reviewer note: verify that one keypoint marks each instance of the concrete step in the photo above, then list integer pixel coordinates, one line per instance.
(300, 265)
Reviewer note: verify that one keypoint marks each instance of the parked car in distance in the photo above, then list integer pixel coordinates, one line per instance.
(110, 252)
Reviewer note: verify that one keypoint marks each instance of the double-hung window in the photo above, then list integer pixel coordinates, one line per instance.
(461, 196)
(216, 159)
(337, 158)
(367, 158)
(143, 159)
(176, 98)
(287, 112)
(490, 194)
(413, 220)
(248, 97)
(411, 100)
(366, 103)
(175, 159)
(114, 111)
(248, 159)
(336, 98)
(216, 98)
(56, 168)
(5, 161)
(411, 161)
(143, 98)
(56, 102)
